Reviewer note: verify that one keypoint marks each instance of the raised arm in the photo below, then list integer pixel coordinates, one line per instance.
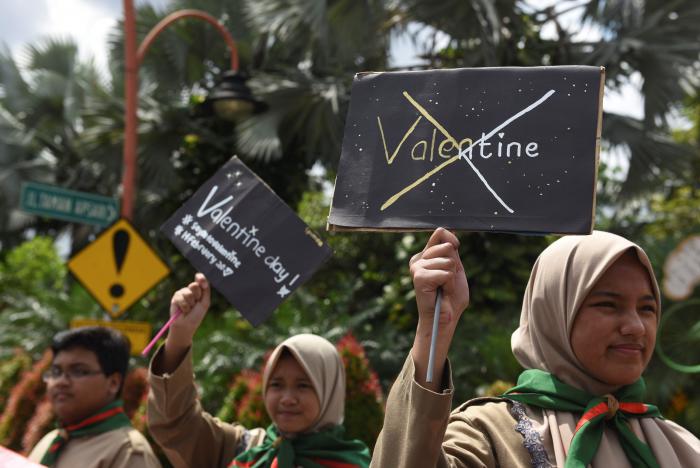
(193, 302)
(188, 435)
(417, 412)
(438, 265)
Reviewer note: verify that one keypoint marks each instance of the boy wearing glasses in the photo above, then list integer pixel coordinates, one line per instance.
(84, 384)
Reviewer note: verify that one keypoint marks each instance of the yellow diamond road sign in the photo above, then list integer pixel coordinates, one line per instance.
(118, 268)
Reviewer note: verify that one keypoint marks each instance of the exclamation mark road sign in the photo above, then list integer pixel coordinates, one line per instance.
(120, 245)
(118, 268)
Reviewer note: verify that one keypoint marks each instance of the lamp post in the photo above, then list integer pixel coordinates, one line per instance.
(233, 88)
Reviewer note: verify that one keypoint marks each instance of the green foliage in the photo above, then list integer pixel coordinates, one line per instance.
(676, 214)
(33, 269)
(32, 278)
(21, 404)
(244, 403)
(10, 372)
(364, 409)
(135, 390)
(40, 424)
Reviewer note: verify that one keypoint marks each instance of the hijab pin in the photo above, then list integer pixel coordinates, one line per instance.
(613, 406)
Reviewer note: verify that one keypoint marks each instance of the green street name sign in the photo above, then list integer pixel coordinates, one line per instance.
(70, 205)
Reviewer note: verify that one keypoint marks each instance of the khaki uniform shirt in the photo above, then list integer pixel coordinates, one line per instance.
(124, 447)
(189, 436)
(420, 432)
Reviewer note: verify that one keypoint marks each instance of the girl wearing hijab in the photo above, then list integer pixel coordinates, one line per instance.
(587, 331)
(303, 391)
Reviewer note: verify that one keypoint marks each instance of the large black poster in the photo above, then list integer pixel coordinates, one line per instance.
(485, 149)
(251, 246)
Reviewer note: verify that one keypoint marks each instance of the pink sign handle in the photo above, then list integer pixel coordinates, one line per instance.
(155, 339)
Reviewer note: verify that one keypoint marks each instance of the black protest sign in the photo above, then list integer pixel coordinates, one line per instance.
(484, 149)
(251, 246)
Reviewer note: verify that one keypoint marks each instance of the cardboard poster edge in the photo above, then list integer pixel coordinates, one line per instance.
(339, 228)
(598, 138)
(314, 235)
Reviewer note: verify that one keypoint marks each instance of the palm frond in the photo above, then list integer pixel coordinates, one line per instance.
(258, 135)
(660, 40)
(15, 90)
(654, 156)
(54, 55)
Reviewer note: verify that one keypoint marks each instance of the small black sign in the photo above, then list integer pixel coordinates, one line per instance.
(251, 246)
(484, 149)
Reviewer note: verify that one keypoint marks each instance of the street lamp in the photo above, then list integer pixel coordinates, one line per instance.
(231, 97)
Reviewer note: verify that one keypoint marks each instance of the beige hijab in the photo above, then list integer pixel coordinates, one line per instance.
(561, 278)
(321, 362)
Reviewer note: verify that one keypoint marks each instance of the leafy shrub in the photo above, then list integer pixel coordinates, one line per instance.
(33, 268)
(22, 403)
(244, 403)
(135, 390)
(40, 424)
(364, 410)
(10, 372)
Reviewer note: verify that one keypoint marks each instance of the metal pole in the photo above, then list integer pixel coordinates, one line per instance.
(131, 84)
(133, 58)
(172, 17)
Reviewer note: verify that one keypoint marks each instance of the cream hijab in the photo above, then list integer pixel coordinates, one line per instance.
(561, 278)
(322, 363)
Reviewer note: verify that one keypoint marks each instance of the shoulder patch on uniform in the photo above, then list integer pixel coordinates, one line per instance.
(138, 441)
(480, 401)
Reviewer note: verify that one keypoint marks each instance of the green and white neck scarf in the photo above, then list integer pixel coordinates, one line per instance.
(543, 390)
(107, 419)
(323, 449)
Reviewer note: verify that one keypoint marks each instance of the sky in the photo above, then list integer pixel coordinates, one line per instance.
(89, 22)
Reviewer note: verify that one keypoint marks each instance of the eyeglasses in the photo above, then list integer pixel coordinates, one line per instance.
(55, 373)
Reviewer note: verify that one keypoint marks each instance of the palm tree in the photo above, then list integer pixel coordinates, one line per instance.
(661, 44)
(40, 127)
(308, 54)
(655, 41)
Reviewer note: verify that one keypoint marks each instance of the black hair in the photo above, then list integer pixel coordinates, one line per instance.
(111, 348)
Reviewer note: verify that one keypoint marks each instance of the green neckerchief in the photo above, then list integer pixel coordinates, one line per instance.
(323, 449)
(108, 418)
(543, 390)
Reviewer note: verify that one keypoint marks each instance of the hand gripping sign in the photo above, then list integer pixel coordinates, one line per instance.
(250, 245)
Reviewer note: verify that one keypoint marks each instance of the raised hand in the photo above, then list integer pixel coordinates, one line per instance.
(438, 265)
(192, 303)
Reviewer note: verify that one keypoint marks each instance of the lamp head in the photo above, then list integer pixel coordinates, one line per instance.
(231, 99)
